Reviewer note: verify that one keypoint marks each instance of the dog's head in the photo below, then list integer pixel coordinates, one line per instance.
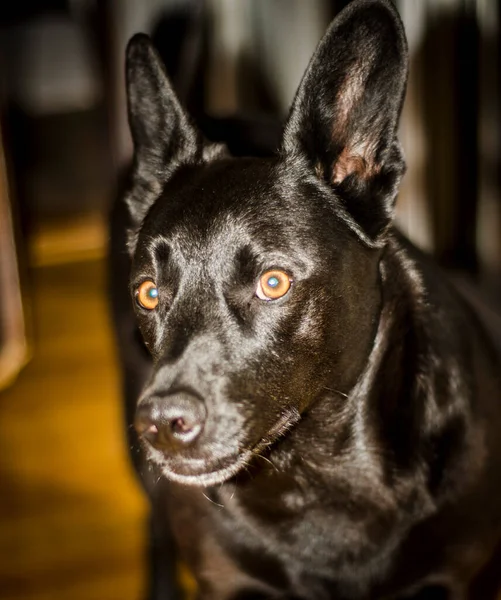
(256, 281)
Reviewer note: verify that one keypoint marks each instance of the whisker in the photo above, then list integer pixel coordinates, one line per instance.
(210, 500)
(336, 391)
(267, 460)
(245, 468)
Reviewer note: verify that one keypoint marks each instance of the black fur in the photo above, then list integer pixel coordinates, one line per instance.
(350, 443)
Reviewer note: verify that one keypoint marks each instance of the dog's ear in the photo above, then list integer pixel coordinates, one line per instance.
(163, 135)
(344, 117)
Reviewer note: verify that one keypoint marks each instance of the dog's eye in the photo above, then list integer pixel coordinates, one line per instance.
(273, 285)
(147, 295)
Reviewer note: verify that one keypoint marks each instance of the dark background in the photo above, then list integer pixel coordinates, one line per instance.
(66, 146)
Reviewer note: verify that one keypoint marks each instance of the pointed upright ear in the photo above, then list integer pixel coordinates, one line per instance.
(163, 135)
(344, 117)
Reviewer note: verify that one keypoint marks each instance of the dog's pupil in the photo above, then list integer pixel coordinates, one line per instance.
(153, 292)
(273, 282)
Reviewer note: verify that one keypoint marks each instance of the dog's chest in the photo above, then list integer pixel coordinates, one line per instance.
(290, 538)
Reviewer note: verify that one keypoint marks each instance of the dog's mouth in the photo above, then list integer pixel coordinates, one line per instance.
(186, 472)
(196, 472)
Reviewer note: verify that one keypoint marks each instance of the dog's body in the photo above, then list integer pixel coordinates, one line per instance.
(339, 440)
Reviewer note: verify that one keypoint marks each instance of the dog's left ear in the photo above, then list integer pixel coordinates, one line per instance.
(164, 136)
(345, 115)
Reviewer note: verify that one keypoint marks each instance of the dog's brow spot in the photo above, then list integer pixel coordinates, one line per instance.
(162, 251)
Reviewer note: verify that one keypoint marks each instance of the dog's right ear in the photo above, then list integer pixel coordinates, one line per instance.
(163, 135)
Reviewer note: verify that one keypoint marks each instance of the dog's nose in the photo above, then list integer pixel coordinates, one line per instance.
(170, 422)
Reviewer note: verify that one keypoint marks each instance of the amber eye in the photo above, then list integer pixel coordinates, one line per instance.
(273, 285)
(147, 295)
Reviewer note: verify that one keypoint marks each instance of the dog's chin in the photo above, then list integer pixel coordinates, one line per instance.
(207, 477)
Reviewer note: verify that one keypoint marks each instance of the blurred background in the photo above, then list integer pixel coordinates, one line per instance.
(71, 511)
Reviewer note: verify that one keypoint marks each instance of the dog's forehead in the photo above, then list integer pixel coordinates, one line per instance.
(230, 203)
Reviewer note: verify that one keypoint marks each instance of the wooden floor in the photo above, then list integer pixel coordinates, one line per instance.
(71, 514)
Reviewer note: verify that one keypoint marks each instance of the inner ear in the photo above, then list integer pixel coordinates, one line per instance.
(352, 161)
(356, 148)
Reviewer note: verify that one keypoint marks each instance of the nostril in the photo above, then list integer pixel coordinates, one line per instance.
(179, 425)
(185, 429)
(145, 426)
(151, 433)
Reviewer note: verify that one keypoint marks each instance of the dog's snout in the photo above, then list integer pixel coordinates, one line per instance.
(170, 422)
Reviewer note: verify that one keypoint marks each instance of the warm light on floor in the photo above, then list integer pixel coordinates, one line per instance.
(71, 513)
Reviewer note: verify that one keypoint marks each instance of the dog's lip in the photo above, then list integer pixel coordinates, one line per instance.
(204, 479)
(209, 478)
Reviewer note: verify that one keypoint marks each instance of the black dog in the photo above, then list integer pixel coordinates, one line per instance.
(324, 407)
